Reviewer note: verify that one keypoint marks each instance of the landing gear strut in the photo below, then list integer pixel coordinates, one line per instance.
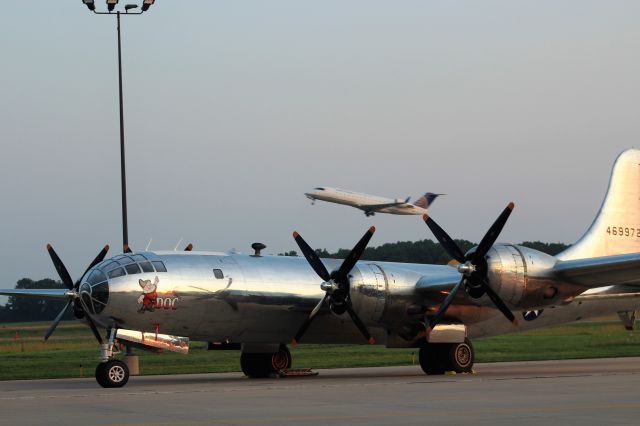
(111, 372)
(436, 358)
(260, 365)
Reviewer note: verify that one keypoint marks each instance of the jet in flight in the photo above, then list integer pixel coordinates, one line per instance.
(372, 204)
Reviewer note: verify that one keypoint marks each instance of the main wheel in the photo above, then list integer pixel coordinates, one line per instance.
(431, 357)
(281, 360)
(461, 357)
(260, 365)
(112, 374)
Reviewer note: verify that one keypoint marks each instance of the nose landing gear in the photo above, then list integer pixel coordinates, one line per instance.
(111, 372)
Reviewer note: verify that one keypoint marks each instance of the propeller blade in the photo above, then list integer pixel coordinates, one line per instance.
(499, 303)
(62, 270)
(56, 321)
(358, 322)
(355, 254)
(445, 305)
(492, 234)
(99, 258)
(94, 329)
(126, 249)
(444, 239)
(312, 257)
(308, 321)
(189, 247)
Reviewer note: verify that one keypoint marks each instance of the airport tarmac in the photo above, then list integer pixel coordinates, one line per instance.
(593, 392)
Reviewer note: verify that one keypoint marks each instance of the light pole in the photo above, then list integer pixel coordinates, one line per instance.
(111, 4)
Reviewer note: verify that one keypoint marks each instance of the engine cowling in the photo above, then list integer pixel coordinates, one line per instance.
(522, 276)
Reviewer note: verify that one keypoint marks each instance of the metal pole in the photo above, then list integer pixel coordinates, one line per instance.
(125, 230)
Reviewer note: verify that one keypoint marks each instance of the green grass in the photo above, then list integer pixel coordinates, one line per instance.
(72, 351)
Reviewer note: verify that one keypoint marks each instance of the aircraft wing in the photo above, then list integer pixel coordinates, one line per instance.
(618, 270)
(438, 282)
(53, 293)
(374, 207)
(614, 292)
(601, 271)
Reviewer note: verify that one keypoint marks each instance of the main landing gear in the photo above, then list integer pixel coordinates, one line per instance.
(260, 365)
(436, 358)
(111, 372)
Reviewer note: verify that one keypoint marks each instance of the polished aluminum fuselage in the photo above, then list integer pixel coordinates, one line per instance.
(265, 299)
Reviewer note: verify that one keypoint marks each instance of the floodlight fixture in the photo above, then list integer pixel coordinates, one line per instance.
(111, 4)
(146, 4)
(90, 4)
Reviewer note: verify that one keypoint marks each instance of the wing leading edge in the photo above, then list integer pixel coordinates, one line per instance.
(57, 293)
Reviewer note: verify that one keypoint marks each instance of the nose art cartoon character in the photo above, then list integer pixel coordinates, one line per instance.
(149, 295)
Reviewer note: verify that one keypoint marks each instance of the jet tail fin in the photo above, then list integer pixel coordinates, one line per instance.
(426, 200)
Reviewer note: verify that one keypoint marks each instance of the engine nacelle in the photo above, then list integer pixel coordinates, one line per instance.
(522, 276)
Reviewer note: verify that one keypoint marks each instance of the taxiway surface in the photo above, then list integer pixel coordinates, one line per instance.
(593, 392)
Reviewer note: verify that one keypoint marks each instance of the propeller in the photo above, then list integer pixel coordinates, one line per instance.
(473, 266)
(336, 285)
(74, 300)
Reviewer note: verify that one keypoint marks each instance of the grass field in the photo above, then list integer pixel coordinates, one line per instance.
(72, 351)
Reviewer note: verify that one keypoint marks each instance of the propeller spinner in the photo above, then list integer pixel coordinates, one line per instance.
(336, 285)
(473, 266)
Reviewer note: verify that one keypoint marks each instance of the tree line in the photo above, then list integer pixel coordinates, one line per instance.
(21, 309)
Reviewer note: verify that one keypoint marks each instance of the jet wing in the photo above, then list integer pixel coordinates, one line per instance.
(374, 207)
(601, 271)
(54, 293)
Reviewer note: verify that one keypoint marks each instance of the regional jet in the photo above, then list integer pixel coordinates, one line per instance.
(257, 303)
(372, 204)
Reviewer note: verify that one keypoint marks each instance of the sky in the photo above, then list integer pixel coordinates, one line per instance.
(234, 109)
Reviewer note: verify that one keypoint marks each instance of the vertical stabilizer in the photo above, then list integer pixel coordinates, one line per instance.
(426, 200)
(616, 229)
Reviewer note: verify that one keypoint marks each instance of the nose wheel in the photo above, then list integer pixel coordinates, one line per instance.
(112, 374)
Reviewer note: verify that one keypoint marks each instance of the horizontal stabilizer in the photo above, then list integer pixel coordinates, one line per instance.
(44, 293)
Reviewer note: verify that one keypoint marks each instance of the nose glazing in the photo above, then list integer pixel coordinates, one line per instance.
(94, 291)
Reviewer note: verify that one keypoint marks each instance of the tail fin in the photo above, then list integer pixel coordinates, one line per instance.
(616, 229)
(426, 200)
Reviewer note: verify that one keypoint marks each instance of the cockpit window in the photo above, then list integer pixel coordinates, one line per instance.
(109, 266)
(159, 266)
(218, 274)
(101, 294)
(118, 272)
(132, 268)
(146, 266)
(139, 258)
(97, 276)
(123, 260)
(319, 189)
